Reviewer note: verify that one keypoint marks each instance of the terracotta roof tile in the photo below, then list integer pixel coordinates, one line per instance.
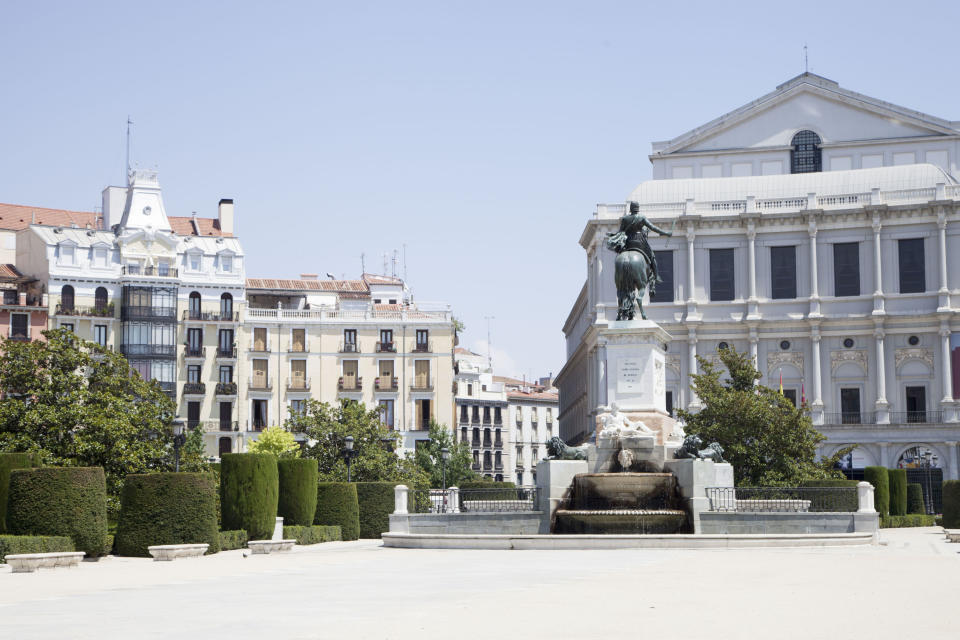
(551, 396)
(18, 216)
(299, 284)
(9, 271)
(183, 226)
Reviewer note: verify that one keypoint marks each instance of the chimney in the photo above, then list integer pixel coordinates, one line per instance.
(309, 276)
(225, 215)
(114, 199)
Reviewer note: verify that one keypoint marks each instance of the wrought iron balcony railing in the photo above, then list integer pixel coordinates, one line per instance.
(192, 351)
(349, 383)
(298, 384)
(152, 271)
(194, 388)
(349, 347)
(226, 389)
(227, 352)
(385, 383)
(211, 316)
(422, 347)
(258, 383)
(386, 347)
(87, 312)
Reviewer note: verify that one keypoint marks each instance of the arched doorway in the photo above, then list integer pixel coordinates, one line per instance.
(67, 298)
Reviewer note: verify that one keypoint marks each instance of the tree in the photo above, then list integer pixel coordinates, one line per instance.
(458, 467)
(79, 404)
(278, 441)
(766, 438)
(327, 427)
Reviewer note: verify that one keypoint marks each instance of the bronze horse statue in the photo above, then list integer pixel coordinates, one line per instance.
(636, 264)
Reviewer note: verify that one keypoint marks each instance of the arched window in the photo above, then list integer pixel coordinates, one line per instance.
(805, 153)
(66, 298)
(100, 299)
(195, 305)
(226, 306)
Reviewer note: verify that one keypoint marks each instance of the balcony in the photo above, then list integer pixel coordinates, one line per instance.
(498, 443)
(226, 389)
(382, 384)
(421, 384)
(227, 353)
(153, 272)
(211, 316)
(349, 383)
(475, 443)
(299, 348)
(191, 351)
(259, 348)
(169, 388)
(849, 417)
(260, 383)
(148, 313)
(215, 426)
(149, 350)
(20, 337)
(386, 347)
(475, 466)
(298, 384)
(86, 312)
(349, 347)
(194, 388)
(916, 417)
(422, 347)
(13, 298)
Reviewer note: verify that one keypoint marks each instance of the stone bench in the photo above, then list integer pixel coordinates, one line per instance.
(30, 562)
(269, 546)
(168, 552)
(953, 535)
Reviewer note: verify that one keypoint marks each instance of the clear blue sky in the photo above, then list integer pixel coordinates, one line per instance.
(479, 134)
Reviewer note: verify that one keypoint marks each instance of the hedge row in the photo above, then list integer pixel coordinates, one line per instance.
(898, 491)
(847, 502)
(313, 534)
(911, 520)
(167, 508)
(230, 540)
(878, 477)
(376, 502)
(33, 544)
(915, 498)
(337, 505)
(297, 504)
(55, 501)
(8, 462)
(951, 504)
(507, 490)
(249, 488)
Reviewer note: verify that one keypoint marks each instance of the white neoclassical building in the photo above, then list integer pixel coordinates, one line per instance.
(818, 230)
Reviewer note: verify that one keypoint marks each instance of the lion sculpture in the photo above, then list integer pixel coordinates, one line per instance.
(557, 449)
(692, 448)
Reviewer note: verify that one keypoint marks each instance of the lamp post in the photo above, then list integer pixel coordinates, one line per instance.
(444, 456)
(348, 453)
(179, 439)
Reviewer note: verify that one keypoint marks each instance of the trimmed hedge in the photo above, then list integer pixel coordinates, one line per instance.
(8, 462)
(298, 491)
(487, 484)
(230, 540)
(34, 544)
(249, 488)
(508, 490)
(915, 498)
(337, 505)
(898, 491)
(60, 501)
(313, 534)
(878, 477)
(911, 520)
(848, 502)
(167, 508)
(951, 504)
(376, 502)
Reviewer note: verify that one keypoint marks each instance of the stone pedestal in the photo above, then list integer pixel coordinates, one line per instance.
(636, 358)
(278, 530)
(554, 482)
(693, 477)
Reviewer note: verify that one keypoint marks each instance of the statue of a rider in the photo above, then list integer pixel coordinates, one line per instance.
(636, 264)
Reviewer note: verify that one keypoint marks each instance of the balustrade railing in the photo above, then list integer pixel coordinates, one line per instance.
(783, 499)
(454, 500)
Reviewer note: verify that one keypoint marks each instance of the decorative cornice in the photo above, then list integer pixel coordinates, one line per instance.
(913, 353)
(856, 356)
(776, 358)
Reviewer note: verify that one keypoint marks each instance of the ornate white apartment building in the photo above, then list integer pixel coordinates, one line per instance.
(818, 230)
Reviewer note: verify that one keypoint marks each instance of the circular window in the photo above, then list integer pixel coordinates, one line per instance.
(722, 346)
(784, 344)
(848, 342)
(913, 341)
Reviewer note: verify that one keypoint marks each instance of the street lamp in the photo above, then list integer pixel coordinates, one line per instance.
(179, 439)
(348, 453)
(444, 456)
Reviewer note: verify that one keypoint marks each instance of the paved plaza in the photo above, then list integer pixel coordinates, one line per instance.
(906, 587)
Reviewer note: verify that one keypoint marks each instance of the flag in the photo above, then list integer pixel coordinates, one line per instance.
(803, 395)
(781, 382)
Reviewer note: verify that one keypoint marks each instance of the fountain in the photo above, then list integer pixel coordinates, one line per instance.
(623, 503)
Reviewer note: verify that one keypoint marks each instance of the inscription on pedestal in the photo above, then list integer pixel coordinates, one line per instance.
(629, 372)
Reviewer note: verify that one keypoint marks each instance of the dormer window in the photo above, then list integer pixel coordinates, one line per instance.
(99, 256)
(68, 254)
(226, 264)
(194, 260)
(805, 154)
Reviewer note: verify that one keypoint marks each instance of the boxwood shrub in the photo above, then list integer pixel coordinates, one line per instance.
(911, 520)
(898, 491)
(337, 505)
(313, 534)
(951, 504)
(298, 491)
(376, 502)
(877, 476)
(249, 488)
(60, 501)
(915, 498)
(8, 462)
(167, 508)
(230, 540)
(34, 544)
(846, 501)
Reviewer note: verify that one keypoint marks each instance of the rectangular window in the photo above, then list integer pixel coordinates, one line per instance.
(260, 339)
(100, 334)
(664, 291)
(10, 296)
(386, 340)
(194, 341)
(99, 257)
(916, 404)
(193, 414)
(67, 325)
(783, 272)
(297, 406)
(259, 374)
(423, 415)
(846, 269)
(791, 395)
(386, 373)
(299, 340)
(260, 408)
(464, 415)
(226, 416)
(912, 271)
(67, 254)
(421, 374)
(18, 325)
(850, 406)
(226, 373)
(350, 340)
(225, 342)
(226, 264)
(193, 373)
(298, 374)
(669, 403)
(721, 274)
(194, 260)
(386, 412)
(349, 374)
(423, 339)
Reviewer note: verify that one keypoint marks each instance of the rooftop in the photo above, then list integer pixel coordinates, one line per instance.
(19, 216)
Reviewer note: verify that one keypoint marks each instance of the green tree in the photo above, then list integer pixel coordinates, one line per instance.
(278, 441)
(327, 427)
(79, 404)
(766, 438)
(458, 467)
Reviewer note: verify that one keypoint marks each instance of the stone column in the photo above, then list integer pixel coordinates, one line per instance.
(691, 296)
(754, 341)
(878, 304)
(944, 293)
(752, 311)
(694, 403)
(814, 288)
(816, 371)
(946, 378)
(882, 406)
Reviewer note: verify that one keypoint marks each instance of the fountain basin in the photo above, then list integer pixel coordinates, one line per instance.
(621, 521)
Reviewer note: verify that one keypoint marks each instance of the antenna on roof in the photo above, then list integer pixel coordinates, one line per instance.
(404, 261)
(393, 260)
(363, 263)
(385, 260)
(489, 357)
(806, 66)
(126, 176)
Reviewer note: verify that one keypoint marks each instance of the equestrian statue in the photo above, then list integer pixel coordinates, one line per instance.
(636, 264)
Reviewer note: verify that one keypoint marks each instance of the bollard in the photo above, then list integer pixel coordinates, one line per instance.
(865, 497)
(400, 499)
(453, 495)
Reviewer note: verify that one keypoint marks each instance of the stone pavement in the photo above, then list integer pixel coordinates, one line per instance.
(908, 586)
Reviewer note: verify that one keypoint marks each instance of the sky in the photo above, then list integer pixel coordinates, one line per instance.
(475, 137)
